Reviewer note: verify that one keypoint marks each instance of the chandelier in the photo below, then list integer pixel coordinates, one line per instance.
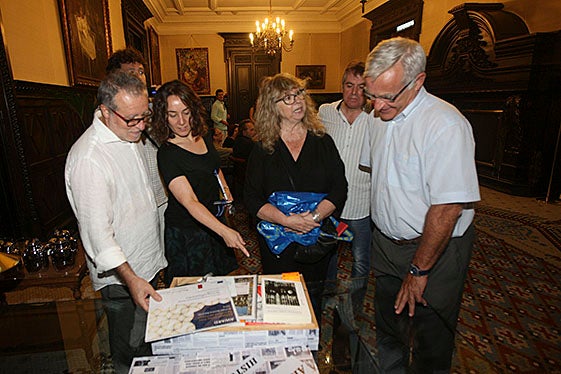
(270, 35)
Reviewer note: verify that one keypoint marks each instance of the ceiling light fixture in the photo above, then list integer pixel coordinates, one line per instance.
(362, 2)
(270, 35)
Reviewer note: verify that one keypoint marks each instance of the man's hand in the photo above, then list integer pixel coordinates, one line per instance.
(140, 289)
(411, 292)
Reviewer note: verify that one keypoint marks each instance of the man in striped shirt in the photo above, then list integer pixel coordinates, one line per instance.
(347, 123)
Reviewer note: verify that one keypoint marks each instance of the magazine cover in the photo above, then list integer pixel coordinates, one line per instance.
(188, 309)
(243, 290)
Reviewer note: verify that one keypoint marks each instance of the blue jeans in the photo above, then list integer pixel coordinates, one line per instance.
(362, 231)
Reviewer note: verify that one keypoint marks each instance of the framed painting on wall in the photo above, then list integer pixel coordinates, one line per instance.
(155, 72)
(192, 68)
(315, 74)
(87, 40)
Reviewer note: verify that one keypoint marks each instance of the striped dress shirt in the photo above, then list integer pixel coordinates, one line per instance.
(348, 139)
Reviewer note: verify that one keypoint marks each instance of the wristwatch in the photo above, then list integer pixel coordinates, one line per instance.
(416, 272)
(315, 216)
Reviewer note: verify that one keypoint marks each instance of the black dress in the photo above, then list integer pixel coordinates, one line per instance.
(192, 249)
(319, 168)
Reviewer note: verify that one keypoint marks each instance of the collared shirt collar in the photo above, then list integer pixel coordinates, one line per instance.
(412, 105)
(340, 111)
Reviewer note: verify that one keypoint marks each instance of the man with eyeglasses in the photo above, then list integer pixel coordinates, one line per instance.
(421, 153)
(347, 123)
(131, 61)
(110, 193)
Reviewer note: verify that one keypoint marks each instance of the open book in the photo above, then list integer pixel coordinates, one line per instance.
(284, 301)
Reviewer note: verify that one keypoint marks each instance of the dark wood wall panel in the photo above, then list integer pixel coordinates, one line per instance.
(506, 81)
(49, 120)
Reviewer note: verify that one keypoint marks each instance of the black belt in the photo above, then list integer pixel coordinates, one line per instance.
(416, 240)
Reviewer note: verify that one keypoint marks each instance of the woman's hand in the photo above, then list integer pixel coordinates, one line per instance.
(300, 223)
(233, 239)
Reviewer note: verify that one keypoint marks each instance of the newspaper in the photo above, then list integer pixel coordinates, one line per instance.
(190, 308)
(220, 341)
(294, 359)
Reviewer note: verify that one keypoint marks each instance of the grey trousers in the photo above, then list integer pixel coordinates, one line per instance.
(127, 326)
(423, 343)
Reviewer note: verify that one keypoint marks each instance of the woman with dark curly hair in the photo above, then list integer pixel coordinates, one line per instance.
(196, 238)
(293, 154)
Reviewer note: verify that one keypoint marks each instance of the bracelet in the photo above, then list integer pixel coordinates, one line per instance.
(316, 216)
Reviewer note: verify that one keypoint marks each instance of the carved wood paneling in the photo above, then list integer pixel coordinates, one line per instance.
(506, 81)
(48, 120)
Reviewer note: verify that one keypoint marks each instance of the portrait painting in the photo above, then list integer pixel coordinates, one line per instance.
(192, 68)
(314, 74)
(155, 73)
(87, 40)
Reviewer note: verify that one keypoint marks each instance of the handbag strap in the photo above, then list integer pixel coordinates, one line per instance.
(287, 172)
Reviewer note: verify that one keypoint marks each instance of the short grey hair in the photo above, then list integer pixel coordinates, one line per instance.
(389, 52)
(119, 81)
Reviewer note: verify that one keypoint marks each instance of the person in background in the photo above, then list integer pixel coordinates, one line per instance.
(223, 153)
(245, 141)
(131, 61)
(294, 154)
(233, 132)
(219, 113)
(110, 194)
(252, 111)
(347, 124)
(196, 237)
(424, 183)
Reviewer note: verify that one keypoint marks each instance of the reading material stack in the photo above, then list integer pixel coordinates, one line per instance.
(224, 314)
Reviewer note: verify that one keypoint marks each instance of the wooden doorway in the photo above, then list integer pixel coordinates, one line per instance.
(245, 69)
(395, 18)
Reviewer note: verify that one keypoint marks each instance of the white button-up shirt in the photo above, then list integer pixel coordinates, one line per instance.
(424, 156)
(348, 139)
(111, 196)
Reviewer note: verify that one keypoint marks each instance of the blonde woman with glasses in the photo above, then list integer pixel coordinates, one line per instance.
(293, 153)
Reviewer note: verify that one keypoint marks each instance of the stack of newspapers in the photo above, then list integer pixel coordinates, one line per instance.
(280, 360)
(213, 302)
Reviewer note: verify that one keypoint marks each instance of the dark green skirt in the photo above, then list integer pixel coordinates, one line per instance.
(196, 252)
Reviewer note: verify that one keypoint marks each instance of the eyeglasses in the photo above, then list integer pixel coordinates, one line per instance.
(388, 99)
(133, 121)
(290, 99)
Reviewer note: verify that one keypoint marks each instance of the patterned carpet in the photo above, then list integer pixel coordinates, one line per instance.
(510, 319)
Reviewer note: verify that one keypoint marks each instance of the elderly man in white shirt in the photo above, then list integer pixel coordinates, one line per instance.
(347, 123)
(110, 193)
(424, 183)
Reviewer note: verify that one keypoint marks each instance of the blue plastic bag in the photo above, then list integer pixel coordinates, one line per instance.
(294, 202)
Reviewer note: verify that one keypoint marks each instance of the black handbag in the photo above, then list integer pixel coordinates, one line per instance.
(325, 245)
